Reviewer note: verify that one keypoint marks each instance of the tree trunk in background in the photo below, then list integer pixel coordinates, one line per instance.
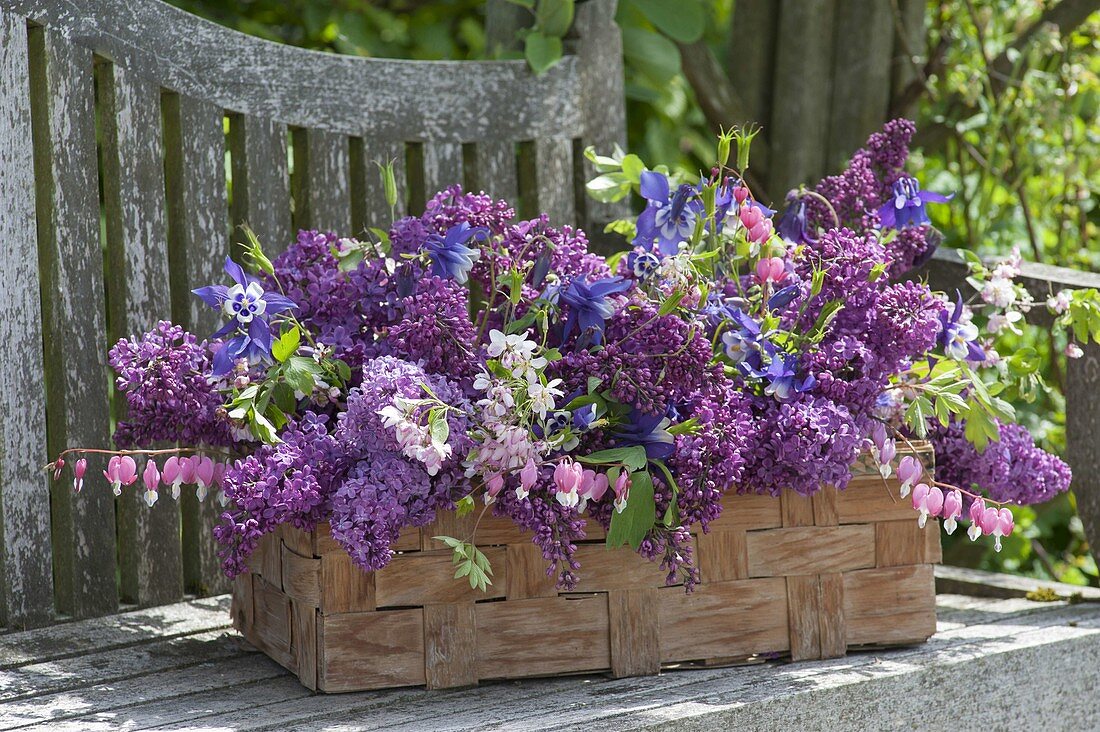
(818, 75)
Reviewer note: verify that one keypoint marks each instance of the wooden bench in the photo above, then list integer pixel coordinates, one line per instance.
(180, 667)
(133, 137)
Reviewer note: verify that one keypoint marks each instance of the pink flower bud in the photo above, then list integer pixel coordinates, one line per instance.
(173, 474)
(977, 508)
(622, 491)
(886, 454)
(528, 475)
(494, 485)
(1073, 351)
(952, 509)
(910, 471)
(58, 466)
(151, 478)
(878, 435)
(79, 469)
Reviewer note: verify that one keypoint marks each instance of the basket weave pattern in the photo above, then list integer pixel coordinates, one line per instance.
(790, 576)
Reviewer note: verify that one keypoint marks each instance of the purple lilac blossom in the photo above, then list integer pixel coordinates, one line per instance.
(163, 377)
(1012, 469)
(287, 483)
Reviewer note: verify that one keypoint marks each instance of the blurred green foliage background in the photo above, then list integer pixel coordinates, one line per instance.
(1021, 149)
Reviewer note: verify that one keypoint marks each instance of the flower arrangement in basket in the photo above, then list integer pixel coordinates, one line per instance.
(464, 361)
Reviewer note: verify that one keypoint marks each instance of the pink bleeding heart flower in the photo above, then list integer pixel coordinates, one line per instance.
(910, 471)
(770, 269)
(172, 475)
(740, 193)
(928, 500)
(493, 486)
(1004, 526)
(750, 216)
(79, 469)
(527, 477)
(187, 468)
(204, 475)
(952, 509)
(151, 478)
(977, 508)
(761, 232)
(886, 455)
(58, 466)
(990, 522)
(622, 491)
(219, 480)
(567, 480)
(597, 487)
(121, 470)
(878, 436)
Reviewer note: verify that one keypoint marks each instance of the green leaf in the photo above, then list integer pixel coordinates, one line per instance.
(541, 51)
(637, 519)
(687, 427)
(554, 17)
(464, 506)
(681, 20)
(671, 302)
(299, 372)
(609, 187)
(651, 53)
(287, 344)
(343, 370)
(440, 430)
(633, 168)
(632, 457)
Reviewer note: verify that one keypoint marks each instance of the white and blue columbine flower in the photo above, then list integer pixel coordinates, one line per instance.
(249, 306)
(959, 339)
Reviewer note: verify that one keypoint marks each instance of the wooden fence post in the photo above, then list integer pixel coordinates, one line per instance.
(1083, 438)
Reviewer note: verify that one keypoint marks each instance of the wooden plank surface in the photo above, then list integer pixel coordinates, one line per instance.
(724, 619)
(811, 550)
(198, 243)
(150, 554)
(496, 168)
(261, 181)
(748, 511)
(425, 578)
(634, 622)
(803, 611)
(450, 645)
(26, 581)
(554, 162)
(992, 643)
(442, 166)
(892, 604)
(74, 327)
(301, 577)
(376, 210)
(723, 555)
(353, 646)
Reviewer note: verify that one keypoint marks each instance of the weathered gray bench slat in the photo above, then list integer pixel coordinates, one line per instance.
(261, 180)
(75, 334)
(26, 588)
(150, 555)
(176, 100)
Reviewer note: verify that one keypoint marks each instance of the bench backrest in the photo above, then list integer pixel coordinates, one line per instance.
(134, 137)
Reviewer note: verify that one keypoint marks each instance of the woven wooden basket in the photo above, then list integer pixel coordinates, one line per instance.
(788, 577)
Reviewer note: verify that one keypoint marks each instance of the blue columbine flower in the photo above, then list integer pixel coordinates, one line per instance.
(649, 431)
(791, 226)
(959, 340)
(781, 373)
(669, 218)
(450, 256)
(783, 297)
(906, 208)
(249, 306)
(589, 307)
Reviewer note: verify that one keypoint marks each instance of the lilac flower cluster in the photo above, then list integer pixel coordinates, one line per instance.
(1012, 470)
(169, 398)
(290, 482)
(801, 446)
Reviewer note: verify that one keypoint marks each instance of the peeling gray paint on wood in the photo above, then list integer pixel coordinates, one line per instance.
(496, 168)
(462, 101)
(261, 181)
(73, 315)
(322, 195)
(554, 163)
(199, 244)
(26, 582)
(150, 559)
(442, 166)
